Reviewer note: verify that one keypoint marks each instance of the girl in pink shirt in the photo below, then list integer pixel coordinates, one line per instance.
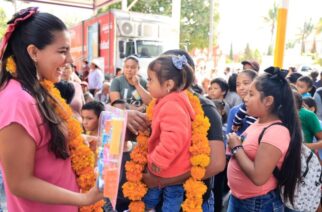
(250, 170)
(168, 149)
(34, 155)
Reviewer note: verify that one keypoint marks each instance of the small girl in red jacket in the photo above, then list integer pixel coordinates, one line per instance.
(168, 150)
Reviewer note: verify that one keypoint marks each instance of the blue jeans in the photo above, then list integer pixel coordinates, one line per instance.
(209, 204)
(266, 203)
(2, 194)
(172, 198)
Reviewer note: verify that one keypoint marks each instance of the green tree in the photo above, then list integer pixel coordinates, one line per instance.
(251, 54)
(194, 26)
(3, 24)
(248, 52)
(270, 19)
(195, 23)
(257, 56)
(304, 33)
(159, 7)
(231, 53)
(313, 49)
(318, 28)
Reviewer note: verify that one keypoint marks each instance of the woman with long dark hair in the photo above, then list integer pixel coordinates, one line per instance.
(36, 133)
(250, 171)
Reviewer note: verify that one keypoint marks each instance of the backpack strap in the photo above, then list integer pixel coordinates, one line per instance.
(263, 131)
(276, 170)
(307, 164)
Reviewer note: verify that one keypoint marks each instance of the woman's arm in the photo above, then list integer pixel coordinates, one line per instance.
(114, 95)
(217, 158)
(261, 169)
(318, 144)
(17, 155)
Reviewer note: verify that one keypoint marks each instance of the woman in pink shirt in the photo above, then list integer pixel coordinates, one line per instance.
(34, 154)
(250, 170)
(168, 149)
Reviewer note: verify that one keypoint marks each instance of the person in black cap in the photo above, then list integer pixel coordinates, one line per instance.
(250, 64)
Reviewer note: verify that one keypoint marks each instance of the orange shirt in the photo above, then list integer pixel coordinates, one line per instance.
(171, 135)
(240, 185)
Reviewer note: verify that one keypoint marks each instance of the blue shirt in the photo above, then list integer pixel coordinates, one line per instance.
(305, 95)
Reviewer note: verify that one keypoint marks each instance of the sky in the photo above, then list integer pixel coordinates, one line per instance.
(241, 21)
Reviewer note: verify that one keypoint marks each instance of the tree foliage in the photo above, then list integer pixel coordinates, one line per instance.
(194, 25)
(3, 22)
(250, 54)
(304, 32)
(319, 27)
(270, 20)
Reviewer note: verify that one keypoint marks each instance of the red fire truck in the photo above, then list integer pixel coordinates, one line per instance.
(116, 34)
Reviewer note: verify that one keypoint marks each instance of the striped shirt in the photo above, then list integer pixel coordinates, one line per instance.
(242, 114)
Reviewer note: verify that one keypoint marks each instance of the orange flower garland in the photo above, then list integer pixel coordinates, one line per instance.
(135, 189)
(11, 65)
(82, 157)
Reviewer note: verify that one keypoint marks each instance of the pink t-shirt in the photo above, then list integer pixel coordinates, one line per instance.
(18, 106)
(240, 185)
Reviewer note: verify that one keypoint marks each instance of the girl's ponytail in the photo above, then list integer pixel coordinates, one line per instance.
(274, 84)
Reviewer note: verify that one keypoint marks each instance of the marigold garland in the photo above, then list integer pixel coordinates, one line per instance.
(135, 189)
(11, 65)
(82, 158)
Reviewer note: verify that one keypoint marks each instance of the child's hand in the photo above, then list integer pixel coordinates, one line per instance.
(235, 128)
(92, 196)
(154, 168)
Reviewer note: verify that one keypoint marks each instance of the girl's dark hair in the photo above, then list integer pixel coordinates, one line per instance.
(222, 84)
(298, 100)
(118, 101)
(66, 89)
(285, 108)
(232, 82)
(314, 75)
(293, 77)
(132, 57)
(307, 80)
(250, 73)
(310, 102)
(220, 106)
(96, 106)
(180, 52)
(37, 30)
(165, 69)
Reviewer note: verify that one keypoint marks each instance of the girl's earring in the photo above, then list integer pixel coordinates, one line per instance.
(168, 90)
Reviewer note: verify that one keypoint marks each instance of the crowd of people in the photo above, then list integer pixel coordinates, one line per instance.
(209, 135)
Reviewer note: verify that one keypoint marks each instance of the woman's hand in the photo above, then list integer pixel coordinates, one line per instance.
(137, 121)
(134, 80)
(233, 140)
